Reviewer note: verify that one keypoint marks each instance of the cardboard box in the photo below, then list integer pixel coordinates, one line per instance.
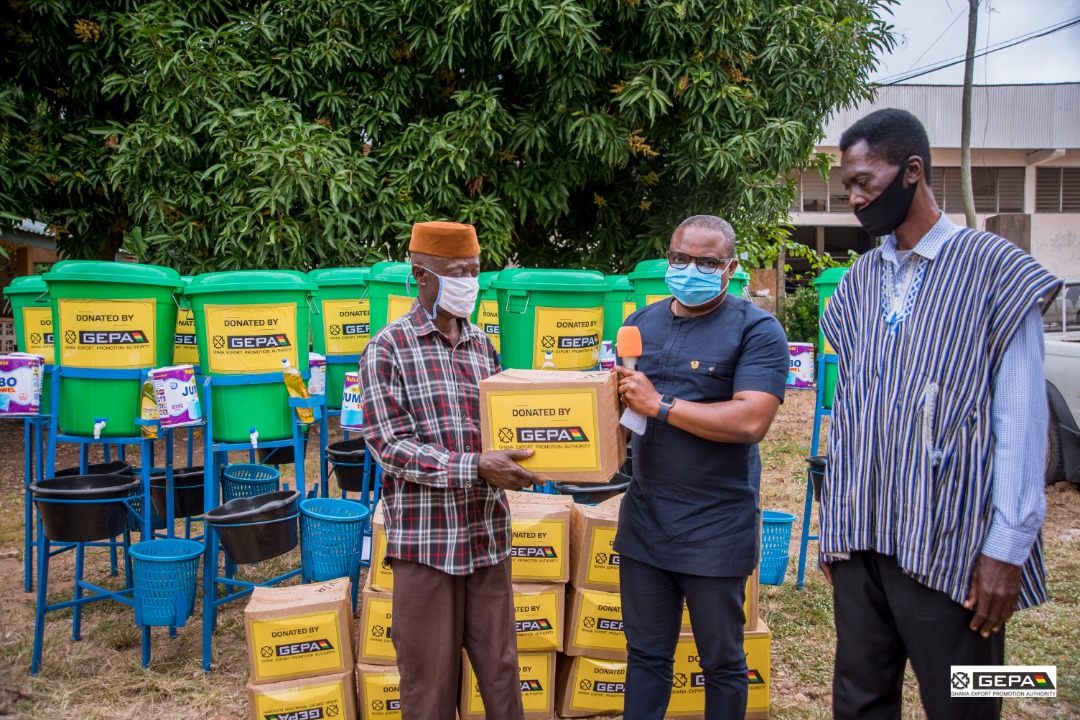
(585, 686)
(571, 420)
(750, 607)
(299, 631)
(595, 627)
(538, 616)
(688, 687)
(541, 537)
(374, 644)
(326, 696)
(537, 675)
(378, 691)
(593, 561)
(381, 574)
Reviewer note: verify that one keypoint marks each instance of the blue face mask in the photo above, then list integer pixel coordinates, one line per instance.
(692, 287)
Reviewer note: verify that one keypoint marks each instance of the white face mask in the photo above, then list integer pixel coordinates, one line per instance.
(457, 295)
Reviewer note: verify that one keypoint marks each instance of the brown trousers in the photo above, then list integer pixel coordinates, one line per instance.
(435, 616)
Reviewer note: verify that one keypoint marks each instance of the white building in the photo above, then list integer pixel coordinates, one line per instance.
(1025, 167)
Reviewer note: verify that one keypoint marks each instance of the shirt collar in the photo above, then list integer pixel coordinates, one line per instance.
(930, 244)
(422, 325)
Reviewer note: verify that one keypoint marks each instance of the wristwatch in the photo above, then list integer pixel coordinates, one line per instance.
(666, 403)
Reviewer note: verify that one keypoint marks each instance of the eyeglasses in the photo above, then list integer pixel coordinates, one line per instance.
(706, 264)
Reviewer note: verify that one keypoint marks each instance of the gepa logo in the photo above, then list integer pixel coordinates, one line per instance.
(1012, 681)
(302, 648)
(546, 552)
(355, 329)
(309, 714)
(112, 337)
(184, 339)
(531, 686)
(754, 677)
(614, 688)
(570, 434)
(576, 342)
(491, 329)
(539, 625)
(257, 342)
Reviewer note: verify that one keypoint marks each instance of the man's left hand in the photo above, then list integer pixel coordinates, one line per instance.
(995, 590)
(637, 392)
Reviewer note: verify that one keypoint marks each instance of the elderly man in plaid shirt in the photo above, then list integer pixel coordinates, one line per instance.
(447, 520)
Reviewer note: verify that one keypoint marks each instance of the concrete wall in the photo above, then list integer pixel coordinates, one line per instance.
(1055, 242)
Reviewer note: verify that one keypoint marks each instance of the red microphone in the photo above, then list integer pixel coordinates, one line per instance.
(628, 343)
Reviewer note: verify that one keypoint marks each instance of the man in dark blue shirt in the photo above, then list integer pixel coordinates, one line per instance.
(710, 379)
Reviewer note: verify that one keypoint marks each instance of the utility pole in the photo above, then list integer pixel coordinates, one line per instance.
(965, 127)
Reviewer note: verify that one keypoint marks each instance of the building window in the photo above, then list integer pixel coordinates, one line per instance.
(1057, 190)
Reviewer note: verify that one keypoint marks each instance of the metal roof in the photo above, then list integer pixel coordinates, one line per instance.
(1008, 117)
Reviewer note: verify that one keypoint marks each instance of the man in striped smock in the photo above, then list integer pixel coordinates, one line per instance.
(933, 502)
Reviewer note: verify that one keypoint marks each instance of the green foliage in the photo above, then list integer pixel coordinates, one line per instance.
(799, 315)
(571, 132)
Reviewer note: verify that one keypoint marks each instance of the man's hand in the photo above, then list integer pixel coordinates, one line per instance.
(994, 591)
(826, 570)
(500, 468)
(637, 392)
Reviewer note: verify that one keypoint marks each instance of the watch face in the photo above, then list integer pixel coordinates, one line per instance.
(667, 400)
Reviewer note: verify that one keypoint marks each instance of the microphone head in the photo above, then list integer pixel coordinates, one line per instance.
(628, 341)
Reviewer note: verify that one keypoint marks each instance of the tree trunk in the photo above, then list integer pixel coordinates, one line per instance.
(115, 239)
(965, 128)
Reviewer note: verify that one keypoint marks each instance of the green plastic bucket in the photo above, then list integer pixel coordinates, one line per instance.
(32, 312)
(343, 327)
(247, 321)
(390, 291)
(109, 316)
(647, 279)
(185, 342)
(737, 285)
(486, 314)
(619, 302)
(825, 284)
(557, 310)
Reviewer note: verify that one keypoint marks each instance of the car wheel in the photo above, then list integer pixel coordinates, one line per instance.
(1055, 465)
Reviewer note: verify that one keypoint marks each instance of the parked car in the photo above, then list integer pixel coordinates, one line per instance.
(1061, 327)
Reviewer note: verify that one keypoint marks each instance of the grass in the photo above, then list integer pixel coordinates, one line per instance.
(100, 678)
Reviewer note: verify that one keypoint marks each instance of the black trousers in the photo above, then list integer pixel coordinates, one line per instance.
(883, 619)
(652, 606)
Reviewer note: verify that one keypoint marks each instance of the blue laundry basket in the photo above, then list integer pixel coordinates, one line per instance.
(246, 480)
(165, 580)
(775, 543)
(331, 532)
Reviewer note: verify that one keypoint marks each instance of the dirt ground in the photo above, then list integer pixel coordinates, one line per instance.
(100, 677)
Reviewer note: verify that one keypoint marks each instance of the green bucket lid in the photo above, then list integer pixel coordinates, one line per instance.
(486, 278)
(247, 281)
(741, 274)
(389, 271)
(541, 279)
(102, 271)
(830, 277)
(339, 277)
(649, 270)
(618, 283)
(26, 285)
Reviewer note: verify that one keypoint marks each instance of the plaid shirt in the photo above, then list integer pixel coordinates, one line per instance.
(422, 424)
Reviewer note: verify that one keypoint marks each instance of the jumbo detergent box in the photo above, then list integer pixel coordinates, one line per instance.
(570, 419)
(299, 631)
(326, 696)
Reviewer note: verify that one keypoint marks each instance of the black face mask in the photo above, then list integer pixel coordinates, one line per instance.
(888, 210)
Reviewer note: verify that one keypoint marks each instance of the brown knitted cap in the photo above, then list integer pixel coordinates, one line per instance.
(444, 239)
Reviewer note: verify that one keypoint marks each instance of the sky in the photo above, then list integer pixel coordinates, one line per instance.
(918, 23)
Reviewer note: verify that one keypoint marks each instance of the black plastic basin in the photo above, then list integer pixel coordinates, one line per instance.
(99, 512)
(187, 492)
(815, 465)
(116, 467)
(592, 493)
(257, 528)
(347, 457)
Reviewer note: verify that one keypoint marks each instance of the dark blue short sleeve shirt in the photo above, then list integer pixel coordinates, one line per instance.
(693, 505)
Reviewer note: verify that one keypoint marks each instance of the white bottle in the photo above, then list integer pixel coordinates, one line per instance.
(549, 364)
(607, 356)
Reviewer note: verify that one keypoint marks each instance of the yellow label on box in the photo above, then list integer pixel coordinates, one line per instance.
(534, 672)
(376, 641)
(600, 624)
(537, 550)
(827, 347)
(650, 299)
(382, 572)
(303, 703)
(37, 327)
(536, 619)
(115, 334)
(571, 334)
(603, 565)
(560, 425)
(185, 345)
(628, 308)
(299, 644)
(597, 686)
(346, 326)
(397, 305)
(688, 683)
(380, 695)
(251, 338)
(488, 320)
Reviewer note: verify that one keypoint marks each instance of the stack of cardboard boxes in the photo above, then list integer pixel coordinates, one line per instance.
(377, 677)
(300, 651)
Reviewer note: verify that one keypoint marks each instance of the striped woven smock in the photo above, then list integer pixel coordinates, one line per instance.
(910, 443)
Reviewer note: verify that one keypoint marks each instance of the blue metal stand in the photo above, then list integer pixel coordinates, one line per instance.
(820, 411)
(216, 455)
